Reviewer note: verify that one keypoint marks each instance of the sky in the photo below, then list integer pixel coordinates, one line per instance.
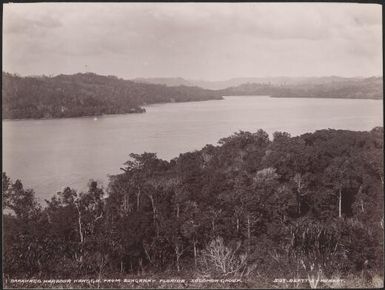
(206, 41)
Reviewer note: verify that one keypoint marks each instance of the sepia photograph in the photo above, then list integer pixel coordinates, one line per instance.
(192, 145)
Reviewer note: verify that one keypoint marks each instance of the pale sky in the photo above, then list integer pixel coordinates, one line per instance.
(210, 41)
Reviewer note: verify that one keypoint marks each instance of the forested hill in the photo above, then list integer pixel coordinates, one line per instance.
(86, 94)
(352, 88)
(251, 208)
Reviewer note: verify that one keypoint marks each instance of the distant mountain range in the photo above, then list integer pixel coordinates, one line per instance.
(331, 87)
(233, 82)
(211, 85)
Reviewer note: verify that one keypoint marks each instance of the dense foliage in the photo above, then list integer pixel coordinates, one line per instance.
(297, 207)
(86, 95)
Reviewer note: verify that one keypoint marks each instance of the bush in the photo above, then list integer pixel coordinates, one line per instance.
(217, 259)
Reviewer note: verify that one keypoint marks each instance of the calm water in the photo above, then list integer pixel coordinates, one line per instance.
(50, 154)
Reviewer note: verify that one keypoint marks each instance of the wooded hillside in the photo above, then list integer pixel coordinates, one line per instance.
(87, 94)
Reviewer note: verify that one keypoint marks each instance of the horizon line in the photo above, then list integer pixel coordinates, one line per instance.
(195, 79)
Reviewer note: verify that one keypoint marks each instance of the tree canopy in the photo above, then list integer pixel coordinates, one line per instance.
(248, 207)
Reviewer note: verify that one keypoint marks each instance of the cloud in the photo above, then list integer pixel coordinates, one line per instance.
(17, 22)
(194, 40)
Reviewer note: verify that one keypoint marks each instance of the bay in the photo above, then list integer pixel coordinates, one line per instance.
(48, 155)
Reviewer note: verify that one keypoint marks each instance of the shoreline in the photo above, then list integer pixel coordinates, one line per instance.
(111, 114)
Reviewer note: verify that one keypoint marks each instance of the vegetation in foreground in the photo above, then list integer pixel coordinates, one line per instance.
(258, 210)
